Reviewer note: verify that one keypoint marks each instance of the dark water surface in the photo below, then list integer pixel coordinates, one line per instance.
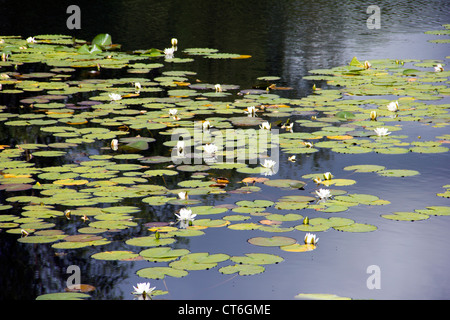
(285, 39)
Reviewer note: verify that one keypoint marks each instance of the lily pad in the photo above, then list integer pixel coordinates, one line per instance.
(162, 254)
(285, 183)
(161, 272)
(405, 216)
(357, 227)
(398, 173)
(365, 168)
(242, 269)
(199, 261)
(149, 241)
(257, 258)
(114, 255)
(274, 241)
(63, 296)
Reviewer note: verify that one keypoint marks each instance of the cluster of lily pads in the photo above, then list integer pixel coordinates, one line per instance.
(85, 145)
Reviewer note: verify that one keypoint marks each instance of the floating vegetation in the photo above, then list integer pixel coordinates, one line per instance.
(99, 157)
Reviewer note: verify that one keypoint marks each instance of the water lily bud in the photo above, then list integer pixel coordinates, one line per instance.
(317, 180)
(157, 235)
(114, 144)
(373, 115)
(306, 220)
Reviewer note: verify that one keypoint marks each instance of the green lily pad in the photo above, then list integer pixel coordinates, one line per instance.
(274, 241)
(49, 153)
(398, 173)
(255, 203)
(161, 272)
(112, 225)
(357, 227)
(121, 209)
(149, 241)
(364, 168)
(405, 216)
(63, 296)
(244, 226)
(160, 254)
(199, 261)
(232, 217)
(114, 255)
(285, 183)
(206, 210)
(186, 233)
(284, 217)
(242, 269)
(436, 211)
(41, 239)
(76, 245)
(257, 258)
(210, 223)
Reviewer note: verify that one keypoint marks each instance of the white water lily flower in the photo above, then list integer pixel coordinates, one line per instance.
(367, 64)
(137, 86)
(251, 111)
(143, 289)
(265, 125)
(115, 96)
(183, 195)
(311, 239)
(206, 125)
(173, 112)
(381, 132)
(393, 106)
(438, 68)
(31, 40)
(288, 126)
(210, 148)
(292, 158)
(327, 175)
(308, 144)
(168, 52)
(269, 164)
(218, 88)
(174, 42)
(323, 194)
(114, 144)
(186, 215)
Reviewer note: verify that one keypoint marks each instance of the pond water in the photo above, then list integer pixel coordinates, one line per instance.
(286, 40)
